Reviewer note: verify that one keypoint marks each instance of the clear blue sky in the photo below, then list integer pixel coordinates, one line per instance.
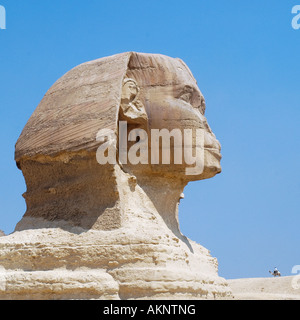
(246, 58)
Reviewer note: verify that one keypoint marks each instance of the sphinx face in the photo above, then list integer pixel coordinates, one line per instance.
(174, 103)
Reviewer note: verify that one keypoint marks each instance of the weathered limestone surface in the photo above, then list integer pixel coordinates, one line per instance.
(109, 231)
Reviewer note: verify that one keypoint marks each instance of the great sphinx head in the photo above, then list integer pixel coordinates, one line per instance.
(129, 127)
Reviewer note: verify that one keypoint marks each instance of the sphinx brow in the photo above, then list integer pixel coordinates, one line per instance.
(189, 88)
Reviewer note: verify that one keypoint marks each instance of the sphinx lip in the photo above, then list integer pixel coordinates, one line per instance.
(215, 152)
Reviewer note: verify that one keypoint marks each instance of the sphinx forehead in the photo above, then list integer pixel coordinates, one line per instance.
(159, 70)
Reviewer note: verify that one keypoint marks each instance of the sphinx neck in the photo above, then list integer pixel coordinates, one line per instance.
(145, 194)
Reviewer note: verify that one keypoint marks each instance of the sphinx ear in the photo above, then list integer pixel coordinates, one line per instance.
(132, 110)
(129, 88)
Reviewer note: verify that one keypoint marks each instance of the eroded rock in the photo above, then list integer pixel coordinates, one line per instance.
(116, 223)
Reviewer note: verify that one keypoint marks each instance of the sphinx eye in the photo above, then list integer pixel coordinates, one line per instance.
(186, 97)
(186, 94)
